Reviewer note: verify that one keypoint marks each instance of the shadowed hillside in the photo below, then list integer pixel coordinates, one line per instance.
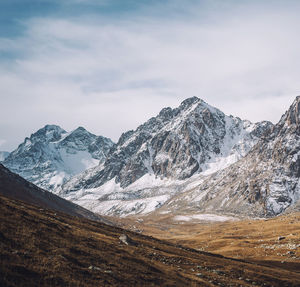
(16, 187)
(40, 247)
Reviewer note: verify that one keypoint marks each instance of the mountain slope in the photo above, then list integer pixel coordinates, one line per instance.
(45, 248)
(51, 155)
(14, 186)
(3, 155)
(179, 143)
(264, 183)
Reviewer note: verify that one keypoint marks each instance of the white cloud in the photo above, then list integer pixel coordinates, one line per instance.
(110, 75)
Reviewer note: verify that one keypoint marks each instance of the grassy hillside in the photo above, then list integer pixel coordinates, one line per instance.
(272, 242)
(40, 247)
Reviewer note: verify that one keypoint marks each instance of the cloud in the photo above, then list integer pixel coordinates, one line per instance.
(110, 74)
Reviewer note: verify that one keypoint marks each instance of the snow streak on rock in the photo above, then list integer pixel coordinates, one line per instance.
(192, 140)
(265, 182)
(193, 159)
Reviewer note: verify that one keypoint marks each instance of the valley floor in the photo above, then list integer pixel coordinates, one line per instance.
(272, 242)
(40, 247)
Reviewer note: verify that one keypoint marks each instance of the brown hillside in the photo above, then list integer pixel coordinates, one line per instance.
(41, 247)
(273, 241)
(16, 187)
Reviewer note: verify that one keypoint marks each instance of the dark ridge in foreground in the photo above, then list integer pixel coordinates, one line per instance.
(16, 187)
(41, 247)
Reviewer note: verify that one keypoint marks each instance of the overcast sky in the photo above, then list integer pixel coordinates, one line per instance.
(109, 65)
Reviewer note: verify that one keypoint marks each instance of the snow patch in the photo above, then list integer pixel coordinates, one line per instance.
(204, 217)
(57, 179)
(78, 161)
(124, 207)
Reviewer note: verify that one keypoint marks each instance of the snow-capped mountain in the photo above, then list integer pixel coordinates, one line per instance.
(162, 157)
(3, 155)
(51, 155)
(264, 183)
(190, 159)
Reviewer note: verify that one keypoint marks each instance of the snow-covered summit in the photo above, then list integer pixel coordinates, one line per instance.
(51, 155)
(177, 144)
(263, 183)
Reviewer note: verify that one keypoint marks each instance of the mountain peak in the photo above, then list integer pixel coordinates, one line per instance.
(48, 132)
(80, 129)
(48, 128)
(292, 116)
(51, 155)
(166, 113)
(297, 98)
(189, 102)
(294, 111)
(51, 127)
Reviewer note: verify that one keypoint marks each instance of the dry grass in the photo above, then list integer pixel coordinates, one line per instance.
(251, 240)
(41, 247)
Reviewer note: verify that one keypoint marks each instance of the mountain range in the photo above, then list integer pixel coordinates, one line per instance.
(51, 155)
(192, 158)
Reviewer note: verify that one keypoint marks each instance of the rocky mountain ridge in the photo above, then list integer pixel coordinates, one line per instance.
(263, 183)
(162, 157)
(51, 155)
(193, 159)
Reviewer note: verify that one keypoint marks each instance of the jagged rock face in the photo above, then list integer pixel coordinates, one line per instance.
(194, 138)
(51, 155)
(177, 143)
(266, 181)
